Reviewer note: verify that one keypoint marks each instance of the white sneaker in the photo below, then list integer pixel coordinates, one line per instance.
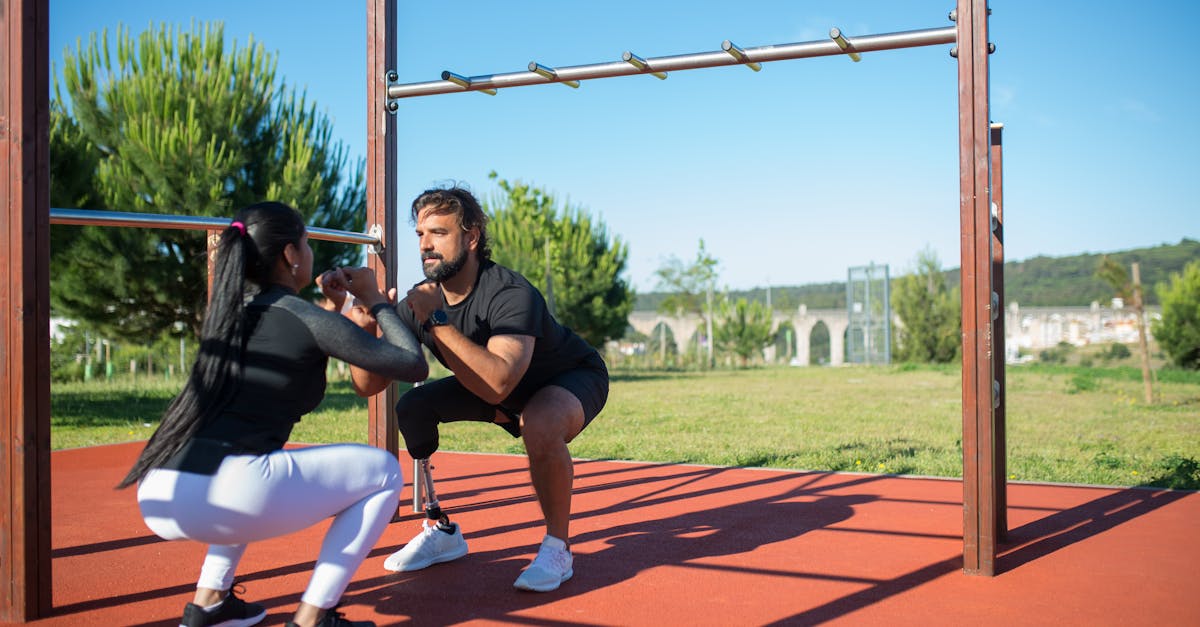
(549, 569)
(431, 546)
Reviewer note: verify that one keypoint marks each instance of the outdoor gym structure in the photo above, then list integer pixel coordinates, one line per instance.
(26, 217)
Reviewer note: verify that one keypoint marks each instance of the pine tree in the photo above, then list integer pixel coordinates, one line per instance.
(178, 124)
(929, 312)
(744, 328)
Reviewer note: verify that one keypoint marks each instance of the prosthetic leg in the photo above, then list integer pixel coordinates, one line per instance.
(425, 497)
(418, 414)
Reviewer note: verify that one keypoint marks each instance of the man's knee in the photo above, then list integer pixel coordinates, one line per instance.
(551, 420)
(418, 423)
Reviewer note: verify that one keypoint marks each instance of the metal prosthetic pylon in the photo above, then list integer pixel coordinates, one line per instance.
(426, 496)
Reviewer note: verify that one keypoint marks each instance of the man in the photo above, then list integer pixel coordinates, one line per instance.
(513, 364)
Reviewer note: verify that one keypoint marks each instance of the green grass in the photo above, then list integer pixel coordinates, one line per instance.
(1064, 424)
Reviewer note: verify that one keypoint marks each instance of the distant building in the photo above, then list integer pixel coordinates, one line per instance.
(1035, 328)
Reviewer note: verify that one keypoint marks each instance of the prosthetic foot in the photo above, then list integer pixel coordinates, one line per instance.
(439, 541)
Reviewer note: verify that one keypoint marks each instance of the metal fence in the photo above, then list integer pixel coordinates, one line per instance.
(868, 303)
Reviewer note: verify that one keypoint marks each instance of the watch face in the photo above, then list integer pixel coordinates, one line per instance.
(438, 317)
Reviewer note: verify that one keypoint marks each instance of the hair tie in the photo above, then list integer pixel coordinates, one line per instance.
(239, 226)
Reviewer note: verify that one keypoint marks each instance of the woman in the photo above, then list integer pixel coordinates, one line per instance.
(215, 470)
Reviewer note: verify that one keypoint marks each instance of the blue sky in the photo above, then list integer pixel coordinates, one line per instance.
(790, 175)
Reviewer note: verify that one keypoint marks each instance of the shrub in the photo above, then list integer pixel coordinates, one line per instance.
(1056, 355)
(1116, 350)
(1178, 473)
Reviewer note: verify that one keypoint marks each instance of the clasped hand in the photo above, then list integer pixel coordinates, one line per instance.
(423, 298)
(339, 283)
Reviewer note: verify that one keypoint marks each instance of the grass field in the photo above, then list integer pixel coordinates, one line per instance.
(1065, 424)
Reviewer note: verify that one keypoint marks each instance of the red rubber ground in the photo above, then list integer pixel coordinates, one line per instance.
(673, 545)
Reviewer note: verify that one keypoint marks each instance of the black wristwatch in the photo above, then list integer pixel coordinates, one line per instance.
(437, 318)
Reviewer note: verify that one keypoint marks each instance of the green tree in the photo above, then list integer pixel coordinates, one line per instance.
(1178, 332)
(566, 254)
(743, 328)
(1130, 291)
(929, 312)
(689, 287)
(179, 125)
(686, 284)
(785, 341)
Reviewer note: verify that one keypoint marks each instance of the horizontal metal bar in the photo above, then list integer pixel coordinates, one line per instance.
(199, 223)
(762, 54)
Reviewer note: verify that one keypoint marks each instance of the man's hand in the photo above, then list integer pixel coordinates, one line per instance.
(359, 314)
(423, 298)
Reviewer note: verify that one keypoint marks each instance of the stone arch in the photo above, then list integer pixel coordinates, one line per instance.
(819, 344)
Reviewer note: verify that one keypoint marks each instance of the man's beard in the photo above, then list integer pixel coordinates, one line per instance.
(440, 272)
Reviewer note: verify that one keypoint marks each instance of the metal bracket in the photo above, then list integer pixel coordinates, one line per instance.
(375, 231)
(389, 103)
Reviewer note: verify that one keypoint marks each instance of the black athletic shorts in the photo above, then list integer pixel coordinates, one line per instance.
(454, 402)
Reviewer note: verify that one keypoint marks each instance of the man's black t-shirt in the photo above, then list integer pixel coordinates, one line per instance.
(504, 303)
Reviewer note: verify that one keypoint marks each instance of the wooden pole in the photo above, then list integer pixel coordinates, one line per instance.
(979, 469)
(1139, 307)
(25, 577)
(382, 430)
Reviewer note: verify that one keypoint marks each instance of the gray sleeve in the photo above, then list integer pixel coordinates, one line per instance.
(399, 357)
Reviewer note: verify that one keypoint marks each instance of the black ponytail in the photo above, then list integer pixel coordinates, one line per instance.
(247, 252)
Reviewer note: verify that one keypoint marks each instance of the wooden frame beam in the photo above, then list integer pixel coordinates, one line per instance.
(24, 297)
(382, 430)
(978, 373)
(25, 311)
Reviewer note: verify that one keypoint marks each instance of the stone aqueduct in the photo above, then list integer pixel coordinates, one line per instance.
(803, 321)
(1026, 328)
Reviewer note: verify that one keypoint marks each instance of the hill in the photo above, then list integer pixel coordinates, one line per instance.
(1036, 282)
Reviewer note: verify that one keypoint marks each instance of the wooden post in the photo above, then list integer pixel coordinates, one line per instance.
(1139, 307)
(382, 430)
(25, 591)
(979, 469)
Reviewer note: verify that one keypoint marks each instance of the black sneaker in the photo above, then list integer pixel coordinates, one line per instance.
(334, 618)
(232, 612)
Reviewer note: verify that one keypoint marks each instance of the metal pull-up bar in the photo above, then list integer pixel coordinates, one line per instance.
(196, 223)
(632, 64)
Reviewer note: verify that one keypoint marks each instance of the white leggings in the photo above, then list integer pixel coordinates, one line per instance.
(254, 497)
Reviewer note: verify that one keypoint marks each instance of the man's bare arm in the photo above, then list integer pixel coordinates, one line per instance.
(490, 372)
